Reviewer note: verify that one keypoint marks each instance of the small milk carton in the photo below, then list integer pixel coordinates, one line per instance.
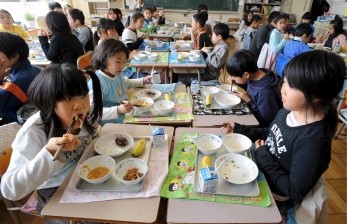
(158, 137)
(208, 180)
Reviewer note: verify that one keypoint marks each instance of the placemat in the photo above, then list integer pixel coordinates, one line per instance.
(199, 107)
(179, 183)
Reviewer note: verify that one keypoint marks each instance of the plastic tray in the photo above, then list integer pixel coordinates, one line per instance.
(224, 188)
(112, 184)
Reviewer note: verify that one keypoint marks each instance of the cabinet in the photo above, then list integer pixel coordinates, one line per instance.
(262, 7)
(97, 9)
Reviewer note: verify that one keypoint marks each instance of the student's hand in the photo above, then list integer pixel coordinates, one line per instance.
(132, 53)
(144, 36)
(229, 79)
(147, 79)
(3, 70)
(206, 49)
(244, 96)
(70, 141)
(161, 13)
(258, 143)
(228, 127)
(125, 107)
(44, 32)
(286, 36)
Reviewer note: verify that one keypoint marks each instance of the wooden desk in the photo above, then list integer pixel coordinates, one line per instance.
(184, 66)
(162, 62)
(194, 211)
(217, 120)
(141, 210)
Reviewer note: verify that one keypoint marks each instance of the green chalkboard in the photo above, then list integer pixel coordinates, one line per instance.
(213, 5)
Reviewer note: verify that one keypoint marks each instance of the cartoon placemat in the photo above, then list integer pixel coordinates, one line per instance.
(179, 182)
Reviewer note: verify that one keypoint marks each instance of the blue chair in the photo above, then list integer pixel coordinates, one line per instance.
(281, 62)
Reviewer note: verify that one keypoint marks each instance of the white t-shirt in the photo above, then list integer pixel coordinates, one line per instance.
(129, 36)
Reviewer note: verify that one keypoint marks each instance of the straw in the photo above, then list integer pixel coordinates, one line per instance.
(219, 166)
(151, 127)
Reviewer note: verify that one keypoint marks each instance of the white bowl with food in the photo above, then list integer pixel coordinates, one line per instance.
(162, 32)
(131, 171)
(208, 143)
(184, 55)
(227, 88)
(159, 44)
(195, 52)
(153, 56)
(210, 90)
(148, 93)
(194, 57)
(164, 107)
(236, 169)
(227, 100)
(139, 57)
(236, 143)
(142, 104)
(97, 169)
(114, 144)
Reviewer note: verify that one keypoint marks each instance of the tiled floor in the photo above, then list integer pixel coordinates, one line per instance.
(336, 182)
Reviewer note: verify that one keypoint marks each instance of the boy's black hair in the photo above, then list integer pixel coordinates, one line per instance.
(303, 28)
(221, 29)
(337, 24)
(57, 22)
(53, 84)
(319, 75)
(255, 18)
(118, 12)
(202, 7)
(54, 5)
(201, 18)
(105, 50)
(273, 15)
(281, 16)
(105, 24)
(12, 45)
(148, 9)
(308, 16)
(77, 14)
(242, 61)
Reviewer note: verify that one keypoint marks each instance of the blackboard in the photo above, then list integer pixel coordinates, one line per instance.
(213, 5)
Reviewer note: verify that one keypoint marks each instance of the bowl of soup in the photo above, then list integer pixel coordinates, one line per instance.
(142, 104)
(97, 169)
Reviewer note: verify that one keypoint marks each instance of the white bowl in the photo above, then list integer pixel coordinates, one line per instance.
(210, 90)
(101, 167)
(162, 32)
(194, 57)
(139, 57)
(227, 88)
(148, 93)
(195, 52)
(227, 99)
(208, 143)
(142, 104)
(124, 165)
(106, 145)
(236, 143)
(153, 56)
(164, 106)
(184, 55)
(236, 169)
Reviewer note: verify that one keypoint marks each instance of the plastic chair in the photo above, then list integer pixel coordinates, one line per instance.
(85, 61)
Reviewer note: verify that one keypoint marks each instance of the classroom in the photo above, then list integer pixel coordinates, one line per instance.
(161, 111)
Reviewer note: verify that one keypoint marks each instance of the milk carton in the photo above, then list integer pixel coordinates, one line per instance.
(158, 137)
(208, 180)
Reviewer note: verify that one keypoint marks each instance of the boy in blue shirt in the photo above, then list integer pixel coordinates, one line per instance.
(263, 95)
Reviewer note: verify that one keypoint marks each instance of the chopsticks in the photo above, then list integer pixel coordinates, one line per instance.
(74, 120)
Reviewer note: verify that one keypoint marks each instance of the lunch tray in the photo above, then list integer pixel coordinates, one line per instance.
(112, 184)
(200, 108)
(224, 188)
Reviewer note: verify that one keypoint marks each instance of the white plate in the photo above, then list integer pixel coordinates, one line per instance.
(106, 145)
(149, 93)
(236, 169)
(211, 90)
(227, 99)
